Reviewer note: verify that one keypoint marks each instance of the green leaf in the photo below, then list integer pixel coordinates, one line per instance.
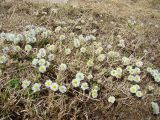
(14, 83)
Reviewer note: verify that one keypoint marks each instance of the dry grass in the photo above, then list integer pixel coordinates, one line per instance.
(109, 19)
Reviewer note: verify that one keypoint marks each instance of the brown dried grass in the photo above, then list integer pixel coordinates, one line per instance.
(14, 105)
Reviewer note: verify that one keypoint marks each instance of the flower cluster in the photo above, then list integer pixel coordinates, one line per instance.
(49, 84)
(90, 38)
(139, 63)
(113, 54)
(29, 35)
(121, 43)
(155, 74)
(42, 62)
(101, 57)
(94, 91)
(117, 73)
(99, 50)
(10, 37)
(131, 21)
(55, 87)
(135, 89)
(76, 82)
(67, 51)
(26, 83)
(134, 74)
(126, 61)
(44, 56)
(90, 63)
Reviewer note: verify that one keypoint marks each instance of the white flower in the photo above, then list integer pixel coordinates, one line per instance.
(48, 64)
(119, 75)
(71, 34)
(62, 89)
(75, 82)
(90, 63)
(25, 83)
(121, 43)
(42, 62)
(154, 72)
(119, 36)
(83, 49)
(99, 50)
(137, 78)
(113, 54)
(76, 43)
(54, 86)
(81, 37)
(44, 34)
(131, 78)
(133, 89)
(157, 79)
(6, 49)
(126, 61)
(36, 87)
(39, 55)
(51, 57)
(139, 94)
(137, 86)
(3, 59)
(132, 71)
(98, 45)
(90, 76)
(48, 83)
(84, 86)
(96, 88)
(57, 29)
(42, 69)
(150, 88)
(80, 76)
(149, 69)
(109, 46)
(88, 38)
(82, 21)
(94, 93)
(62, 37)
(139, 63)
(42, 52)
(128, 68)
(155, 107)
(111, 99)
(67, 51)
(101, 57)
(51, 48)
(114, 73)
(137, 70)
(62, 67)
(119, 70)
(17, 48)
(92, 37)
(28, 48)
